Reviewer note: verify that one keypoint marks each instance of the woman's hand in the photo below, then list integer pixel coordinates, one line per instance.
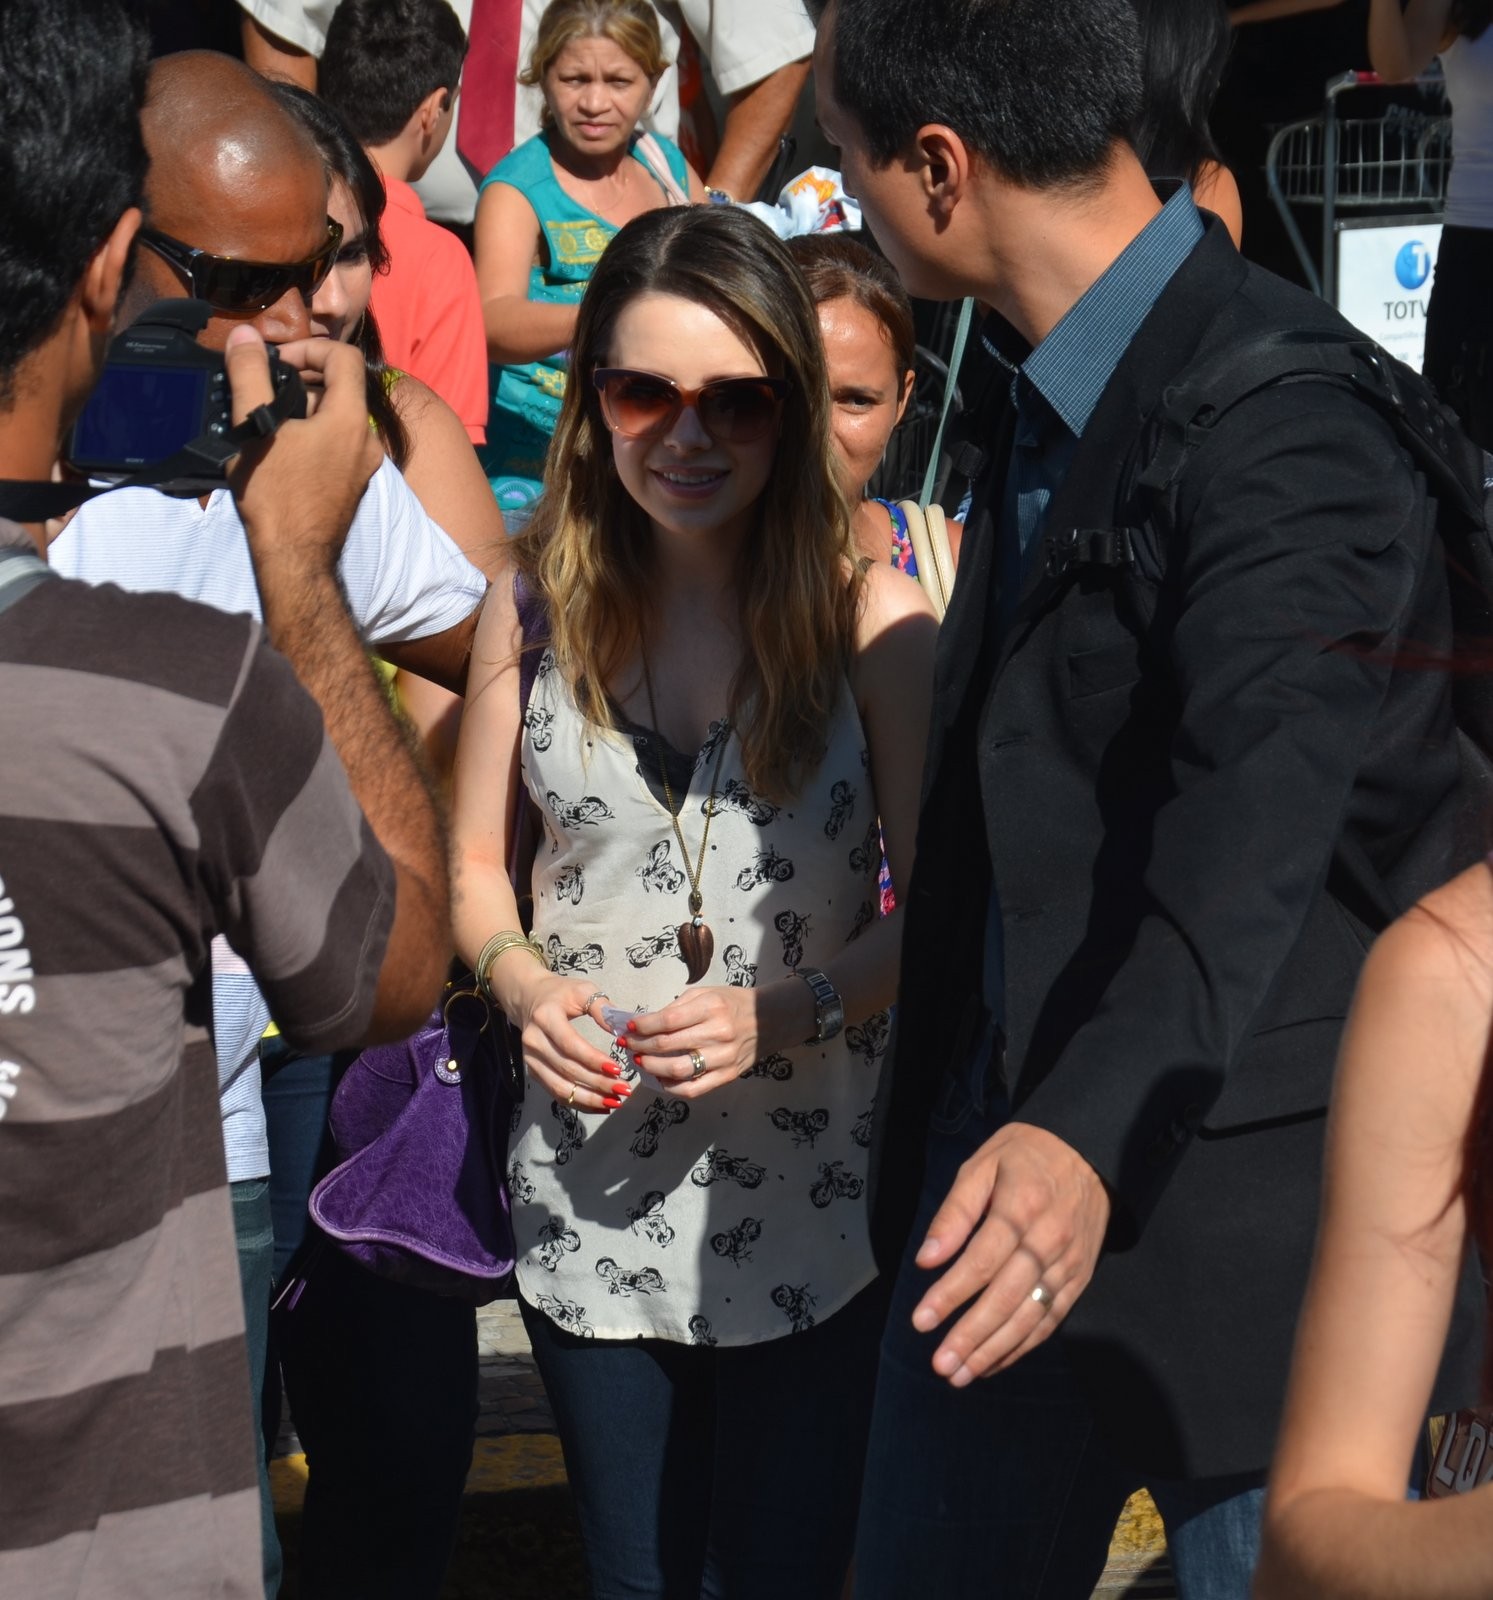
(728, 1030)
(545, 1009)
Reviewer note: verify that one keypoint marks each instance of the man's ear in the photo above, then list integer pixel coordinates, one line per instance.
(945, 167)
(106, 275)
(430, 111)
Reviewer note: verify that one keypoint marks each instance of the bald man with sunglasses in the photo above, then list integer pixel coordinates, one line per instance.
(236, 202)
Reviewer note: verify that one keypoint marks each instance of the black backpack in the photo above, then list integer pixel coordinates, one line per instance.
(1458, 474)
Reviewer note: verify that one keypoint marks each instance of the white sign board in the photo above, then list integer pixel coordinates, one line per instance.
(1384, 275)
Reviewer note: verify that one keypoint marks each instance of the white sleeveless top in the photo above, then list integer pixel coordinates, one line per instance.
(740, 1216)
(1468, 65)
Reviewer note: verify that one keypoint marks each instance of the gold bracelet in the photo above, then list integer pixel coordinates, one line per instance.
(507, 939)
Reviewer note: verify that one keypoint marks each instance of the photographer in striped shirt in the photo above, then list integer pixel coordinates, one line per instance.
(166, 779)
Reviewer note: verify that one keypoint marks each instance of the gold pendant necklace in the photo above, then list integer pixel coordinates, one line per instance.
(696, 941)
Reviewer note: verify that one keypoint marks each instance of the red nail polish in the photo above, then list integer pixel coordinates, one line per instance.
(632, 1027)
(612, 1101)
(624, 1089)
(637, 1061)
(612, 1070)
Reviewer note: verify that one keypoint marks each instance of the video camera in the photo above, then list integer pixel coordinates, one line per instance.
(160, 417)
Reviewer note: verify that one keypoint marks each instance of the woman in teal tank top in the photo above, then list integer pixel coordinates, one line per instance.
(549, 209)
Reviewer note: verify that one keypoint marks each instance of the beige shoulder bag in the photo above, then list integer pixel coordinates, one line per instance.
(929, 533)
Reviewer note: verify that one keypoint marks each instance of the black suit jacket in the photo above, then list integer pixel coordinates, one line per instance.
(1191, 824)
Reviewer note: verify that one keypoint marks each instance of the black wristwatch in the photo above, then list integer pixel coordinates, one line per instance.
(829, 1009)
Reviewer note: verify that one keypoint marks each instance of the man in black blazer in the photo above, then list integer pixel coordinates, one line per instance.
(1151, 854)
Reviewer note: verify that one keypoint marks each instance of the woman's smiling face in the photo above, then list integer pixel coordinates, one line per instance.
(684, 479)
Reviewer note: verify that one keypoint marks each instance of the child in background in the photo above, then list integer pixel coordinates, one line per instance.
(390, 71)
(550, 208)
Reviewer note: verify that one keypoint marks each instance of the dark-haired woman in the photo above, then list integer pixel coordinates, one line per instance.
(870, 345)
(1185, 46)
(729, 708)
(1459, 321)
(381, 1378)
(1409, 1183)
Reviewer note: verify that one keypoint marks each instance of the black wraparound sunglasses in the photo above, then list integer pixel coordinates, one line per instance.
(229, 284)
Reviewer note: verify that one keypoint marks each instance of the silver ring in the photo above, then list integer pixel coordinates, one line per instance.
(600, 994)
(1042, 1295)
(697, 1063)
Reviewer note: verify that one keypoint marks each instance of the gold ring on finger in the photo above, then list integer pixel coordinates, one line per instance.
(570, 1101)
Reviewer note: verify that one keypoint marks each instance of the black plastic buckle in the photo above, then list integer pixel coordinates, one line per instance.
(1112, 548)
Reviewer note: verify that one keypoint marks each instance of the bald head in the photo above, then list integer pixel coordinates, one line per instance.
(214, 130)
(231, 173)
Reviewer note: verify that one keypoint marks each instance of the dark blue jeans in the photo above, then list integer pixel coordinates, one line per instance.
(715, 1474)
(255, 1241)
(382, 1380)
(1004, 1490)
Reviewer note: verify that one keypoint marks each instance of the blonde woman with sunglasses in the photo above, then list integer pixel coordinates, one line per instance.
(727, 708)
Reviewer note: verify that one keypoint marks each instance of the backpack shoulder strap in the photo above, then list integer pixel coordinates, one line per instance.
(1200, 398)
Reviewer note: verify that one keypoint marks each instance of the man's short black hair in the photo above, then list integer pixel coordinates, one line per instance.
(72, 159)
(383, 57)
(1041, 89)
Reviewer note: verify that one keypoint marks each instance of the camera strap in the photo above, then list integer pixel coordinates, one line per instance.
(202, 460)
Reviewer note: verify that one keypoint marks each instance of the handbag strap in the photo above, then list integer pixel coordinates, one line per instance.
(951, 387)
(651, 153)
(929, 533)
(533, 636)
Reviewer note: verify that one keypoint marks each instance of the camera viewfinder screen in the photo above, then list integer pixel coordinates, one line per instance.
(139, 415)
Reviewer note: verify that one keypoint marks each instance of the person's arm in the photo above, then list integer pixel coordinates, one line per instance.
(756, 118)
(485, 810)
(892, 680)
(446, 477)
(449, 483)
(1402, 44)
(506, 239)
(440, 657)
(1272, 10)
(1215, 190)
(297, 496)
(1303, 539)
(1337, 1523)
(274, 57)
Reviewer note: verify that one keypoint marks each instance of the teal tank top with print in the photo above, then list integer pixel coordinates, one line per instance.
(526, 396)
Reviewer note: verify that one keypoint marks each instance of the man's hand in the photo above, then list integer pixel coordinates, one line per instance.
(298, 491)
(1027, 1212)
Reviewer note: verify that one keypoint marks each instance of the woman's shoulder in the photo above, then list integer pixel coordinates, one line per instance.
(1425, 995)
(524, 165)
(890, 597)
(1445, 938)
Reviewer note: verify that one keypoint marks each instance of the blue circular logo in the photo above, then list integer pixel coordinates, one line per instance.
(1413, 264)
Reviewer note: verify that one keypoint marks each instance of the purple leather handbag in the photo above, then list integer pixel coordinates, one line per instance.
(421, 1127)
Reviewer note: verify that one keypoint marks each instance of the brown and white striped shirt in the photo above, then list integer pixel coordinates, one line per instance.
(163, 778)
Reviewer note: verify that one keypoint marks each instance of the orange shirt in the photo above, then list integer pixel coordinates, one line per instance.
(428, 310)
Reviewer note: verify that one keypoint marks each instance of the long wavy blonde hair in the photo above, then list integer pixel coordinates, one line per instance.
(589, 549)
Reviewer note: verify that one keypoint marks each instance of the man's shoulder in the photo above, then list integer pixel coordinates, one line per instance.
(155, 640)
(418, 246)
